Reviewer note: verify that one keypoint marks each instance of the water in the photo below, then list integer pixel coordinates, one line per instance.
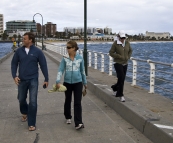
(5, 48)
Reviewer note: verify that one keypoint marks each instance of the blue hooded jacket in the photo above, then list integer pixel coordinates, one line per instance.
(74, 70)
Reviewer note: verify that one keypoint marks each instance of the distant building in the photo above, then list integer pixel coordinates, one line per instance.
(99, 30)
(21, 25)
(79, 30)
(50, 29)
(17, 33)
(158, 35)
(38, 28)
(107, 31)
(1, 24)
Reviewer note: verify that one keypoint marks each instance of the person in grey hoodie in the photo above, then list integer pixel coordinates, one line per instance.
(121, 52)
(74, 80)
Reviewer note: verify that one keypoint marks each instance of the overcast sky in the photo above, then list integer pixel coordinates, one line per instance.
(132, 16)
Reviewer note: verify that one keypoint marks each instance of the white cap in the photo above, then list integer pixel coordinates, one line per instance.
(122, 34)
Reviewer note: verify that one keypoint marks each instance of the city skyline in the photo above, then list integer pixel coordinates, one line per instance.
(133, 16)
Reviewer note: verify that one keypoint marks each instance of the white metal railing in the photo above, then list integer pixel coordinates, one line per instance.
(93, 61)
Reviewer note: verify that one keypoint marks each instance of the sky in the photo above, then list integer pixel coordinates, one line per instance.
(132, 16)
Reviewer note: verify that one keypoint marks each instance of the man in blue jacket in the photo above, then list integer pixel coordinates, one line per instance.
(26, 60)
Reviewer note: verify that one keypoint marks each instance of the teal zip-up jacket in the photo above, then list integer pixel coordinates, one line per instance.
(74, 70)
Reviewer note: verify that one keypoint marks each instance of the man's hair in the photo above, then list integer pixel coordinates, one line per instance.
(73, 44)
(31, 36)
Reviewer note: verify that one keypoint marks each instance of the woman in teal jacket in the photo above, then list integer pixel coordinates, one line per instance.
(74, 79)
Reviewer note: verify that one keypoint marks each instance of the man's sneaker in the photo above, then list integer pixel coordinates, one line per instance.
(68, 121)
(114, 93)
(122, 99)
(80, 126)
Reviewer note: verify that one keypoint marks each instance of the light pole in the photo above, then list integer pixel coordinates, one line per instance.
(85, 38)
(41, 28)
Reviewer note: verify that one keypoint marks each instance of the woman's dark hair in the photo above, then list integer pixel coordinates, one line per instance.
(73, 44)
(31, 36)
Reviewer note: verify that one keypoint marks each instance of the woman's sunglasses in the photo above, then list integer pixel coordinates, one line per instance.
(69, 47)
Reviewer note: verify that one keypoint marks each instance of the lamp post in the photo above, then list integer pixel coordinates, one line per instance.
(41, 28)
(85, 38)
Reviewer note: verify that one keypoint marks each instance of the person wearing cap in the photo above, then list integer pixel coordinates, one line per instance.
(74, 79)
(121, 52)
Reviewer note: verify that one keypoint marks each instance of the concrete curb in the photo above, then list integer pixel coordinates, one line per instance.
(138, 116)
(6, 57)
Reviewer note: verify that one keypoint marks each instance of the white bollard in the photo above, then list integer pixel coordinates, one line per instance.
(134, 72)
(102, 62)
(110, 65)
(95, 60)
(89, 58)
(81, 53)
(152, 76)
(59, 50)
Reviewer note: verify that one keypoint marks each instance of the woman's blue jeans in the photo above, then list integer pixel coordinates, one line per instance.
(30, 109)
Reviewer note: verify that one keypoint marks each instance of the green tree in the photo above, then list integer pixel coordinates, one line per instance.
(19, 37)
(153, 38)
(15, 36)
(4, 36)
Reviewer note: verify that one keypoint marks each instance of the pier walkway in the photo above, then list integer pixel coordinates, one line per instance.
(106, 119)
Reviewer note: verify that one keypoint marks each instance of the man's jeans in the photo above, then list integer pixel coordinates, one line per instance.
(28, 109)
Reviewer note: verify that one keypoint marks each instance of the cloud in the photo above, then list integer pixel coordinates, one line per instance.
(133, 16)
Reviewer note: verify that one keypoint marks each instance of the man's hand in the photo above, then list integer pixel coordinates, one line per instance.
(46, 83)
(17, 80)
(58, 85)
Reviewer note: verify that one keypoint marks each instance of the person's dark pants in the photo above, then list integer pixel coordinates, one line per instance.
(76, 88)
(28, 109)
(121, 74)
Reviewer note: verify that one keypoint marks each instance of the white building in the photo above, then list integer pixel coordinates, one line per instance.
(107, 31)
(18, 32)
(158, 35)
(80, 30)
(1, 24)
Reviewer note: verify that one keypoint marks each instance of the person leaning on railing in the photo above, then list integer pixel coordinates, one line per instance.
(121, 52)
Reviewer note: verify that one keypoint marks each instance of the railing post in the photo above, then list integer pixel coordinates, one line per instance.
(63, 51)
(102, 62)
(110, 65)
(60, 49)
(95, 60)
(134, 72)
(89, 54)
(152, 76)
(81, 52)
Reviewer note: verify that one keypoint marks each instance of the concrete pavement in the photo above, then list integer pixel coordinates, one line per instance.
(102, 123)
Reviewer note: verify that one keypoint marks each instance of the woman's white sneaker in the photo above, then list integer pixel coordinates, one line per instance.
(80, 126)
(114, 93)
(68, 121)
(122, 99)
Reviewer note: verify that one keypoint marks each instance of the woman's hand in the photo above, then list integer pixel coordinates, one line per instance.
(85, 86)
(58, 85)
